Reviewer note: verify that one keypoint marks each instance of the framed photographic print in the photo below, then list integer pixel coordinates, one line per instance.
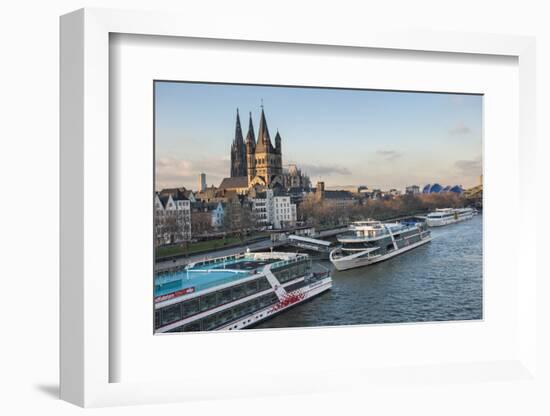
(285, 231)
(237, 208)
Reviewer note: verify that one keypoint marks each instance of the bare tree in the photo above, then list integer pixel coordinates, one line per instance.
(238, 218)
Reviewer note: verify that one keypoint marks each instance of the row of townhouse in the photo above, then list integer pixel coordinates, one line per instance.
(178, 217)
(172, 219)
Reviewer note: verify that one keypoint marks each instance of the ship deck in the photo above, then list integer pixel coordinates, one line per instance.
(205, 276)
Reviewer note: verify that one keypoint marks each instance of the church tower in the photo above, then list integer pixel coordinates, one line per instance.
(238, 152)
(250, 151)
(256, 162)
(265, 152)
(278, 155)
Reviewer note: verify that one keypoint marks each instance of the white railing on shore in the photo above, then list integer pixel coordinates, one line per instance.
(217, 260)
(236, 271)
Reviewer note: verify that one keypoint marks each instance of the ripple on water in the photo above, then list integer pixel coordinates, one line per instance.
(439, 281)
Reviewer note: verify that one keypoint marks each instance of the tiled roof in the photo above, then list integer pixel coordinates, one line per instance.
(178, 194)
(235, 182)
(164, 200)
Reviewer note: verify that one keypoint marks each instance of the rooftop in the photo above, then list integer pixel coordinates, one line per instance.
(175, 193)
(234, 182)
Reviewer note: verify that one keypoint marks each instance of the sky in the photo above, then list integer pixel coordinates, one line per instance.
(346, 138)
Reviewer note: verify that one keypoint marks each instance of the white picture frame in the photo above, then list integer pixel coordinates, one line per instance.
(86, 354)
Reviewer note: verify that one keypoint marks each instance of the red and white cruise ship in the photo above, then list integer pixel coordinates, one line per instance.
(234, 292)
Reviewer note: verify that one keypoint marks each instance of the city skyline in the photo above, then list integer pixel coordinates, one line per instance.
(346, 138)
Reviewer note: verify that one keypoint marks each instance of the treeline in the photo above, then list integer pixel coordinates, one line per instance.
(327, 213)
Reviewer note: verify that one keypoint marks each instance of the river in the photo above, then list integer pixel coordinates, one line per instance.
(439, 281)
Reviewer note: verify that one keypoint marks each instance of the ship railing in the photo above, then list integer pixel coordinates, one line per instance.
(355, 237)
(287, 262)
(167, 277)
(207, 271)
(316, 276)
(217, 260)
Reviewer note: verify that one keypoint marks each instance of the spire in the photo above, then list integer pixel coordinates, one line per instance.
(264, 141)
(238, 151)
(238, 131)
(278, 142)
(250, 137)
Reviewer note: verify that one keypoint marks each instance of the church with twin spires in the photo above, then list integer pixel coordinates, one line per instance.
(254, 163)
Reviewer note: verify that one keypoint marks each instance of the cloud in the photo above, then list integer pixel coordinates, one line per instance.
(173, 168)
(459, 130)
(471, 167)
(325, 170)
(172, 172)
(389, 155)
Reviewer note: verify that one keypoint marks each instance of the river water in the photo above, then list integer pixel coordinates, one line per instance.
(439, 281)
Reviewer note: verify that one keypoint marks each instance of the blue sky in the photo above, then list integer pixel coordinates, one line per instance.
(381, 139)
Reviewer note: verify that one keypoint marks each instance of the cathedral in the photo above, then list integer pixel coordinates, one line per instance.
(255, 162)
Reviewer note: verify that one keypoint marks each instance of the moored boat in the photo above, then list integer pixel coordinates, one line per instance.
(372, 241)
(446, 216)
(234, 292)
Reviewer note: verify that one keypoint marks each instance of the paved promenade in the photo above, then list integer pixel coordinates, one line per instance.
(182, 261)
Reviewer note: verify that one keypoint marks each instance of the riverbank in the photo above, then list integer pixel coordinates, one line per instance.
(206, 246)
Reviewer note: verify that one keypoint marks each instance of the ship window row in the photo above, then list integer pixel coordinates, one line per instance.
(442, 215)
(406, 234)
(228, 315)
(295, 286)
(182, 310)
(314, 277)
(292, 271)
(361, 244)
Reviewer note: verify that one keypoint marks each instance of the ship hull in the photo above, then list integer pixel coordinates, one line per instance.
(307, 293)
(440, 222)
(343, 263)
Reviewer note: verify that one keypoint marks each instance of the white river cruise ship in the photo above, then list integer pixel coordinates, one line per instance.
(234, 292)
(372, 241)
(446, 216)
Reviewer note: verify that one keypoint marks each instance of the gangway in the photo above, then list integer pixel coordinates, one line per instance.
(321, 246)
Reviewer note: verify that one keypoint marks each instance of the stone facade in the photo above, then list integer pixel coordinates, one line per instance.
(238, 152)
(257, 160)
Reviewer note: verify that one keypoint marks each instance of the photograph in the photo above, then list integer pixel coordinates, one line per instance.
(305, 207)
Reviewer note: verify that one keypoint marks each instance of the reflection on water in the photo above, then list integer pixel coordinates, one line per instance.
(439, 281)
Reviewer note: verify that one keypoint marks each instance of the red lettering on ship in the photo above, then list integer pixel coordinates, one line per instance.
(175, 294)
